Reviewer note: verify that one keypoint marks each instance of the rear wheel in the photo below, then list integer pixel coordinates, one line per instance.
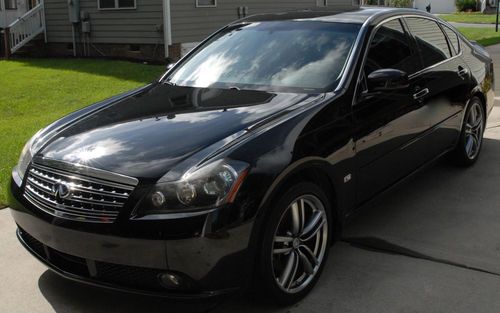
(471, 139)
(296, 243)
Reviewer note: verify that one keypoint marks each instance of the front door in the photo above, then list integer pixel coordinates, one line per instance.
(388, 122)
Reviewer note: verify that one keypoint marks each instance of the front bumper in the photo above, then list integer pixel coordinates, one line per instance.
(131, 255)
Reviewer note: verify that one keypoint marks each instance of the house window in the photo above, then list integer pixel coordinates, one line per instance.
(116, 4)
(206, 3)
(10, 4)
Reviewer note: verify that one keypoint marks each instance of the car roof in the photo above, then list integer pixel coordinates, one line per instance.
(357, 16)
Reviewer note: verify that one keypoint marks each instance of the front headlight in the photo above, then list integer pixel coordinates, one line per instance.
(26, 156)
(209, 186)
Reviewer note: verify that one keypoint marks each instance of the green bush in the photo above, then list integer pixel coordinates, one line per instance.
(464, 5)
(401, 3)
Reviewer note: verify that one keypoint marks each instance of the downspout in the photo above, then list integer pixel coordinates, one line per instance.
(4, 13)
(167, 26)
(73, 33)
(6, 45)
(44, 23)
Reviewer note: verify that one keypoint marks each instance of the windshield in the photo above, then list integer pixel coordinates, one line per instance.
(271, 56)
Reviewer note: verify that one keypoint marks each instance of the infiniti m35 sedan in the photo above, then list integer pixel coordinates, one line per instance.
(241, 164)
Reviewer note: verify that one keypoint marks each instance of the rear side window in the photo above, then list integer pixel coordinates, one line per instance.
(390, 48)
(431, 41)
(453, 37)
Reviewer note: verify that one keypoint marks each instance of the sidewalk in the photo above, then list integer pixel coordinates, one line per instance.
(472, 25)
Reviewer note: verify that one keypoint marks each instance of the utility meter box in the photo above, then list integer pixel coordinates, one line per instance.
(74, 11)
(86, 27)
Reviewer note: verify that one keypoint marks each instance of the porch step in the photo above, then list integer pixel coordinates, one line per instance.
(34, 48)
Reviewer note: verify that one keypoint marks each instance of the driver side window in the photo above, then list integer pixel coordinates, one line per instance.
(390, 48)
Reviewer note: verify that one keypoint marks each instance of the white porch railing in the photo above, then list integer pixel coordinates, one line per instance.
(25, 28)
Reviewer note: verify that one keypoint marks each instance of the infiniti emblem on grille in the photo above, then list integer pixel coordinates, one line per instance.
(61, 191)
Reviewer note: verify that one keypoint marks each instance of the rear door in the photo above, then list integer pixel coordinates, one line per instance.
(441, 84)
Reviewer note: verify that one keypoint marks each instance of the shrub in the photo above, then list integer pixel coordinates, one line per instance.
(401, 3)
(464, 5)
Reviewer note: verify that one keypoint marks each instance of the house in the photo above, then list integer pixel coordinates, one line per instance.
(11, 10)
(142, 29)
(448, 6)
(437, 6)
(488, 6)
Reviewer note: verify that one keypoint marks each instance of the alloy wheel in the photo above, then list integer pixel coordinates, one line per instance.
(299, 244)
(474, 127)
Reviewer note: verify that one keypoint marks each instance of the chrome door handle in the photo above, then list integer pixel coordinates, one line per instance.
(422, 93)
(463, 72)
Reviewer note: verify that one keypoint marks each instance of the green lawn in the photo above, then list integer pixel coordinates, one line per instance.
(484, 36)
(35, 92)
(476, 18)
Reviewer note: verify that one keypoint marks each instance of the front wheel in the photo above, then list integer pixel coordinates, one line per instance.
(471, 138)
(295, 243)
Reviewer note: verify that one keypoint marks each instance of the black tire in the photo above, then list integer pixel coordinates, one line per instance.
(461, 155)
(268, 283)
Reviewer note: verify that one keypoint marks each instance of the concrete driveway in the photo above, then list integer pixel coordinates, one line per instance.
(431, 245)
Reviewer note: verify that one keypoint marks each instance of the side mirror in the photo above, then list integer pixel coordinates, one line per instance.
(387, 80)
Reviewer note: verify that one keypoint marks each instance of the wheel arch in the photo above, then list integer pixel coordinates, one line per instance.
(312, 169)
(477, 93)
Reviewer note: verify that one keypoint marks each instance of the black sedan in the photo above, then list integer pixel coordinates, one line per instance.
(245, 159)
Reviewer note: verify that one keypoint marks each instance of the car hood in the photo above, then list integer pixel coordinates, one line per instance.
(145, 134)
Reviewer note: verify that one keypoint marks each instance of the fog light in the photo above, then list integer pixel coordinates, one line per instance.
(170, 281)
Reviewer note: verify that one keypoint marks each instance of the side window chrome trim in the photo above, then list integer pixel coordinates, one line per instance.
(365, 54)
(463, 41)
(459, 39)
(350, 64)
(444, 61)
(402, 18)
(416, 74)
(433, 66)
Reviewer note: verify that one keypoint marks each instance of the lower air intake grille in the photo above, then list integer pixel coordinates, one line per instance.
(129, 276)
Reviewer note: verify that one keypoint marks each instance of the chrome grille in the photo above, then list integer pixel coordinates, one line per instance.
(88, 199)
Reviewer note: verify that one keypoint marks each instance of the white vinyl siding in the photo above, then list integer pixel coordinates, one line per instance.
(139, 26)
(191, 24)
(143, 25)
